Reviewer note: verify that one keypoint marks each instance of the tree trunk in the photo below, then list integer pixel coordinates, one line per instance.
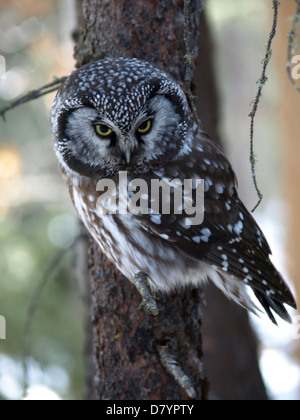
(126, 341)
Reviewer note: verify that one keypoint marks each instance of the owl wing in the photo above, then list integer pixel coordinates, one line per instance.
(228, 238)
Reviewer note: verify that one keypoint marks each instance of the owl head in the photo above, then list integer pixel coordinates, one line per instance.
(117, 114)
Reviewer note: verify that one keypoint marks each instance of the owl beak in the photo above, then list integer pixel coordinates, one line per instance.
(127, 156)
(127, 145)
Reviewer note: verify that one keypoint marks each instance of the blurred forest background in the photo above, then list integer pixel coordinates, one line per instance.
(37, 220)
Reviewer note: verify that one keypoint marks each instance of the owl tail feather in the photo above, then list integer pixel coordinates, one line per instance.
(268, 304)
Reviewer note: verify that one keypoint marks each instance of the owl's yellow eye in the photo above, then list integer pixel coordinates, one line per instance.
(145, 127)
(103, 130)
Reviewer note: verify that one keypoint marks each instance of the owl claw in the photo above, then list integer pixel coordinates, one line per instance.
(142, 284)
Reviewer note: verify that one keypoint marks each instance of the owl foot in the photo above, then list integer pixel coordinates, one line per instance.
(172, 366)
(143, 286)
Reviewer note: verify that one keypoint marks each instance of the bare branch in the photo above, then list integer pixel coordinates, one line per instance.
(33, 94)
(261, 82)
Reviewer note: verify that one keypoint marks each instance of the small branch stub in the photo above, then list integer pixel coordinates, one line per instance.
(169, 362)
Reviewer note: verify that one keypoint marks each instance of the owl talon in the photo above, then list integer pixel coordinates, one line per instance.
(142, 284)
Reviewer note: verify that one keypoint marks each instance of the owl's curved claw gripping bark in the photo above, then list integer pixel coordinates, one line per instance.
(142, 284)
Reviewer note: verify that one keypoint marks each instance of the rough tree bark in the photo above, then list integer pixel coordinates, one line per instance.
(127, 342)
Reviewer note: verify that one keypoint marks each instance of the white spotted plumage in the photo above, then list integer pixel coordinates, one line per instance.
(227, 248)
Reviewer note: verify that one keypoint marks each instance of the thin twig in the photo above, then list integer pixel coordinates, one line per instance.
(292, 47)
(261, 82)
(188, 60)
(33, 94)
